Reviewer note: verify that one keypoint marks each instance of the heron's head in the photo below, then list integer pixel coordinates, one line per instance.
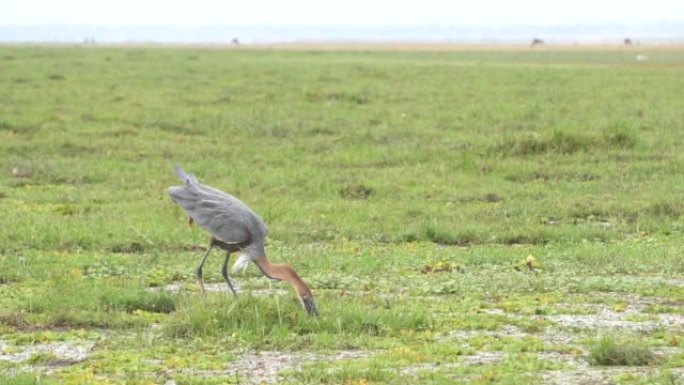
(309, 304)
(284, 271)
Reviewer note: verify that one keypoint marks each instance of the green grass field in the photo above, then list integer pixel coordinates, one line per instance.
(469, 216)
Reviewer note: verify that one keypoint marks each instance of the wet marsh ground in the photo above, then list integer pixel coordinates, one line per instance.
(475, 217)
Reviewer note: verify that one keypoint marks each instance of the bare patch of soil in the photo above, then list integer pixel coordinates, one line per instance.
(630, 315)
(606, 317)
(222, 287)
(263, 367)
(482, 358)
(600, 376)
(66, 351)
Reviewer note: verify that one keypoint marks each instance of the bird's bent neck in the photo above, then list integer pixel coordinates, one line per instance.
(283, 272)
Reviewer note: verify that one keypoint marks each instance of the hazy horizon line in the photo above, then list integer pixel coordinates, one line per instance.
(275, 33)
(654, 22)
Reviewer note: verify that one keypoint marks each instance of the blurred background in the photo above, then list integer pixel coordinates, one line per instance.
(270, 21)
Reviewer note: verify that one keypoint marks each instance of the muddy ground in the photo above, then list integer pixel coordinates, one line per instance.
(265, 367)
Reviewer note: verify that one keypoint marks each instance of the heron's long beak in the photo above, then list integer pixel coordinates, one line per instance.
(310, 305)
(283, 271)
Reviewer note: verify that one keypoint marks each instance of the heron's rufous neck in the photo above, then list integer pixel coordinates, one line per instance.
(285, 272)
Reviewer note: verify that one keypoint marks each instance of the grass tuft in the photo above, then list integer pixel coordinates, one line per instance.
(525, 239)
(26, 379)
(609, 351)
(665, 209)
(133, 247)
(620, 136)
(566, 143)
(41, 358)
(89, 302)
(130, 301)
(434, 233)
(492, 198)
(337, 96)
(14, 319)
(353, 372)
(276, 321)
(6, 125)
(356, 192)
(559, 142)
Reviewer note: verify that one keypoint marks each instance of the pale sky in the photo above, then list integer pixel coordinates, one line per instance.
(193, 13)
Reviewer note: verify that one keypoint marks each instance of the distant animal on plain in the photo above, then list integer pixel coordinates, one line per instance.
(536, 42)
(235, 41)
(628, 42)
(235, 228)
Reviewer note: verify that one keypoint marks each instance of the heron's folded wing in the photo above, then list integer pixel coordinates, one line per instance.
(222, 219)
(184, 196)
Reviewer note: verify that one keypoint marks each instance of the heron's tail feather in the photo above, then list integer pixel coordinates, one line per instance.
(184, 176)
(241, 263)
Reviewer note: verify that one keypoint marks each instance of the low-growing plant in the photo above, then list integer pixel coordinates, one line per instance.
(611, 351)
(130, 301)
(30, 378)
(274, 321)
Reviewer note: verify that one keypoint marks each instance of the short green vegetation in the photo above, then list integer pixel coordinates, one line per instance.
(468, 216)
(27, 379)
(612, 352)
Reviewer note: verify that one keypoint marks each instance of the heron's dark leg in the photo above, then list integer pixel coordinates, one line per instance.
(198, 272)
(224, 272)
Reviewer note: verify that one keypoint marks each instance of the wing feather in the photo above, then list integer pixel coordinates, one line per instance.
(227, 218)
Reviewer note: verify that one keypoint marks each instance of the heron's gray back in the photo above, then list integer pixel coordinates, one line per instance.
(227, 218)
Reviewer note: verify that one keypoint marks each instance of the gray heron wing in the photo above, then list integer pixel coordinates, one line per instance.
(227, 218)
(222, 219)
